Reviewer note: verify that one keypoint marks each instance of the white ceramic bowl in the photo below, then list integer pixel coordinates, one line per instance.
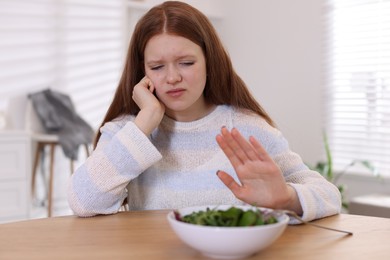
(226, 242)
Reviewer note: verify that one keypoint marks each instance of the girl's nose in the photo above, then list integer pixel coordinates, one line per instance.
(173, 75)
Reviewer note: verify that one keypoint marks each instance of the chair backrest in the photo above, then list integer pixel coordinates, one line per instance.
(16, 112)
(33, 123)
(21, 115)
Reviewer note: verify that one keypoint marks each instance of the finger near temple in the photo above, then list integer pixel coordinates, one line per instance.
(229, 182)
(149, 84)
(247, 147)
(235, 161)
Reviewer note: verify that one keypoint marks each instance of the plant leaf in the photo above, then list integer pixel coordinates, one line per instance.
(329, 172)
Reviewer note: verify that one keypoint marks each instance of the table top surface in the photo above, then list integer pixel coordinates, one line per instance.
(147, 235)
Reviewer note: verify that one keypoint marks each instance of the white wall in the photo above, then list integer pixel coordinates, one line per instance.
(276, 48)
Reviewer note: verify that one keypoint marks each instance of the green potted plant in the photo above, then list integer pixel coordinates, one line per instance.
(325, 168)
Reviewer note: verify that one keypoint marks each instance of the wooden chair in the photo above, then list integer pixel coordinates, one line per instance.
(42, 141)
(125, 206)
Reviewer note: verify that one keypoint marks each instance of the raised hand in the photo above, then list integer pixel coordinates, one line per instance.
(151, 109)
(261, 180)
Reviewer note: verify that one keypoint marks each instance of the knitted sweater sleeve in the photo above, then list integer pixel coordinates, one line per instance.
(319, 198)
(99, 185)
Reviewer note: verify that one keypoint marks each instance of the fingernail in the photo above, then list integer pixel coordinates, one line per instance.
(217, 172)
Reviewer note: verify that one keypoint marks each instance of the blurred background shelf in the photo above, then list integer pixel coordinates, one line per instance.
(15, 161)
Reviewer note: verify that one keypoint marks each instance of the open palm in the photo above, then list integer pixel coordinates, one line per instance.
(261, 180)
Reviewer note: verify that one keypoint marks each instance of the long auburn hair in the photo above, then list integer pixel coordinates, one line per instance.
(223, 85)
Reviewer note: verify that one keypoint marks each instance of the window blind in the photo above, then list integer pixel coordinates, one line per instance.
(358, 82)
(75, 46)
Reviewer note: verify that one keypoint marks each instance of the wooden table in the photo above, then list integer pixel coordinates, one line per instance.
(147, 235)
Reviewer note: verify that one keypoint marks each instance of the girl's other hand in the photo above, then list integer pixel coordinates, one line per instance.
(262, 182)
(151, 109)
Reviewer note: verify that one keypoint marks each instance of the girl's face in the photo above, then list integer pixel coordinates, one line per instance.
(177, 68)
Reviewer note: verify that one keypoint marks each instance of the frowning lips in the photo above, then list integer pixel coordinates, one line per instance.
(176, 92)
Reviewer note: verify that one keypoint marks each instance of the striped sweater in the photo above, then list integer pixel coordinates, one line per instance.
(176, 167)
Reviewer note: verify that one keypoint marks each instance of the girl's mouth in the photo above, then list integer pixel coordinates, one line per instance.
(175, 92)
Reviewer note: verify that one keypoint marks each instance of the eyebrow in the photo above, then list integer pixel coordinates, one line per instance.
(189, 56)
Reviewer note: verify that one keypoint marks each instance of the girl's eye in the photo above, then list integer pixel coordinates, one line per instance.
(187, 63)
(156, 67)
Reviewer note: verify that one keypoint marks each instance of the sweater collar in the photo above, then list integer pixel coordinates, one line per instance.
(170, 123)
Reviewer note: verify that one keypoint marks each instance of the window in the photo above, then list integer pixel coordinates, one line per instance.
(358, 82)
(75, 46)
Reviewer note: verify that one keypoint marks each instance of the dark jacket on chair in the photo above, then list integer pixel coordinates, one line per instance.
(58, 116)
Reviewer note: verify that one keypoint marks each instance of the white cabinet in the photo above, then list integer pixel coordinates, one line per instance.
(15, 175)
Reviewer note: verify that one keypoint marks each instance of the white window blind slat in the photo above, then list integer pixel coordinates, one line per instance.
(88, 83)
(9, 55)
(358, 81)
(26, 8)
(90, 59)
(86, 94)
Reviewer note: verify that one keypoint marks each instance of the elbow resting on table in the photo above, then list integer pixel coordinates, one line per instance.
(89, 205)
